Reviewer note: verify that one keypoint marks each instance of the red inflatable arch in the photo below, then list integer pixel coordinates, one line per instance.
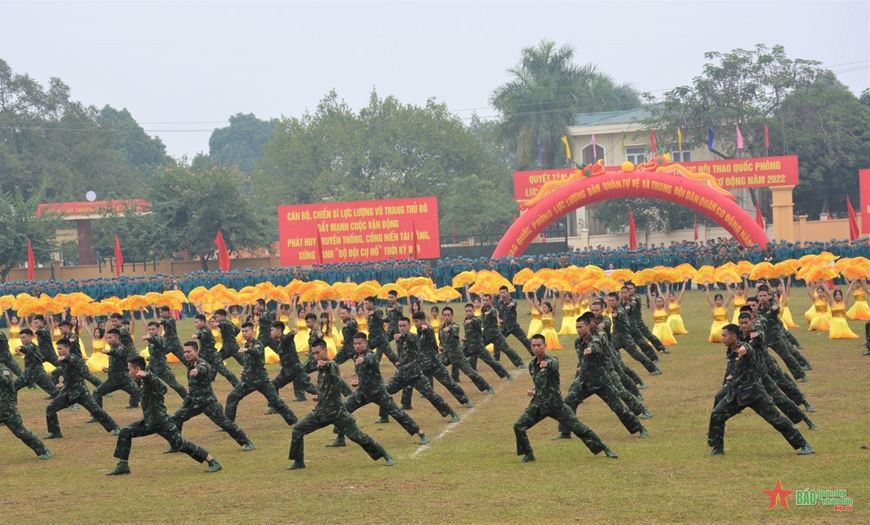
(673, 188)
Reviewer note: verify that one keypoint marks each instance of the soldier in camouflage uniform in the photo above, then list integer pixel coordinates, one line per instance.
(547, 402)
(378, 341)
(507, 312)
(208, 351)
(431, 364)
(371, 389)
(474, 347)
(451, 351)
(752, 334)
(593, 378)
(170, 333)
(330, 410)
(229, 331)
(636, 314)
(292, 370)
(44, 340)
(633, 328)
(34, 373)
(265, 318)
(73, 391)
(10, 417)
(409, 373)
(492, 334)
(617, 370)
(6, 357)
(622, 339)
(315, 333)
(743, 388)
(157, 363)
(349, 329)
(201, 399)
(118, 378)
(75, 349)
(774, 337)
(155, 421)
(394, 313)
(255, 378)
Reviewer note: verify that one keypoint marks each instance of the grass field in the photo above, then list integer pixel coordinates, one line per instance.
(470, 473)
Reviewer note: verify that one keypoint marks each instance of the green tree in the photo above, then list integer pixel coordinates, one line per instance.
(545, 93)
(476, 206)
(136, 147)
(190, 202)
(829, 129)
(18, 223)
(140, 236)
(241, 143)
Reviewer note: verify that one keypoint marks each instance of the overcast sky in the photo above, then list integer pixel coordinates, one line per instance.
(188, 66)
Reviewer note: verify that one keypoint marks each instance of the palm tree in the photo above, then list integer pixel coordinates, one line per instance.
(546, 92)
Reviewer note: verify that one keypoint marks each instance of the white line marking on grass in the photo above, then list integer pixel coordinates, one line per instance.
(465, 416)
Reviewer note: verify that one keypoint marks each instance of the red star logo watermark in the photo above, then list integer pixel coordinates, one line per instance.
(778, 495)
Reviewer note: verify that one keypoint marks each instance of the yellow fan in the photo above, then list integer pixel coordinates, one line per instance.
(607, 284)
(854, 273)
(522, 276)
(372, 283)
(387, 288)
(197, 294)
(595, 271)
(310, 296)
(726, 275)
(822, 273)
(329, 294)
(762, 270)
(293, 287)
(363, 291)
(177, 294)
(782, 269)
(559, 284)
(426, 293)
(344, 289)
(669, 275)
(7, 301)
(623, 275)
(644, 277)
(421, 281)
(278, 295)
(464, 279)
(447, 293)
(843, 263)
(405, 282)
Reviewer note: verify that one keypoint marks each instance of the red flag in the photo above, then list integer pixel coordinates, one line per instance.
(652, 141)
(319, 253)
(696, 227)
(632, 231)
(31, 261)
(413, 240)
(766, 138)
(119, 257)
(854, 231)
(223, 254)
(759, 218)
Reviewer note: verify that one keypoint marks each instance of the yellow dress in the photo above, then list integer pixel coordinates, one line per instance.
(284, 318)
(218, 338)
(549, 332)
(535, 327)
(14, 339)
(98, 360)
(739, 302)
(56, 335)
(662, 328)
(236, 320)
(822, 321)
(675, 320)
(329, 337)
(720, 319)
(301, 337)
(860, 310)
(569, 319)
(435, 324)
(811, 314)
(785, 315)
(839, 327)
(362, 323)
(584, 307)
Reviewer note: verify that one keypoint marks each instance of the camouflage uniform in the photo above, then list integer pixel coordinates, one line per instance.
(255, 378)
(492, 335)
(6, 357)
(9, 411)
(74, 370)
(622, 338)
(330, 410)
(636, 314)
(745, 389)
(291, 368)
(432, 368)
(230, 347)
(454, 356)
(409, 373)
(34, 373)
(774, 338)
(507, 312)
(46, 345)
(616, 370)
(349, 329)
(378, 341)
(119, 378)
(200, 399)
(155, 421)
(475, 349)
(76, 349)
(208, 352)
(547, 402)
(158, 365)
(371, 389)
(170, 334)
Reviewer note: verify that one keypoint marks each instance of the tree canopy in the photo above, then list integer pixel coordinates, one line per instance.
(241, 143)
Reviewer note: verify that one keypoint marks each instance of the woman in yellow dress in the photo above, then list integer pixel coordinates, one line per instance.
(860, 310)
(814, 294)
(302, 331)
(839, 326)
(719, 306)
(661, 328)
(216, 332)
(570, 312)
(675, 320)
(414, 307)
(581, 307)
(14, 331)
(435, 322)
(98, 360)
(535, 326)
(328, 330)
(738, 299)
(822, 321)
(478, 312)
(362, 321)
(548, 324)
(784, 289)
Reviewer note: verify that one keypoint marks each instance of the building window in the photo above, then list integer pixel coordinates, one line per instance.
(681, 156)
(587, 155)
(635, 155)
